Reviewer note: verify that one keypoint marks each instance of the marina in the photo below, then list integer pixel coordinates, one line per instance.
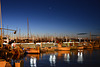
(49, 33)
(33, 54)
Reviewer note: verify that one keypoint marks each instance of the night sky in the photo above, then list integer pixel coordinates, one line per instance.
(52, 16)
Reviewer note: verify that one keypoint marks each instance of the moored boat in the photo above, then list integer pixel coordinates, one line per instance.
(73, 47)
(96, 46)
(62, 48)
(88, 46)
(46, 47)
(80, 47)
(32, 50)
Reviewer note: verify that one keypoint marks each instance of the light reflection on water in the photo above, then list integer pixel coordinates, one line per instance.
(33, 62)
(65, 58)
(80, 57)
(52, 60)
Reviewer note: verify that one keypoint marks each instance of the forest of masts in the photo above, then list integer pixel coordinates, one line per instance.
(18, 37)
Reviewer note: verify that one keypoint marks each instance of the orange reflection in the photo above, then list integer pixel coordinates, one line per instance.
(33, 55)
(60, 53)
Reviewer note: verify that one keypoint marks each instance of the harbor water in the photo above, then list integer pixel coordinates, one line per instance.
(73, 58)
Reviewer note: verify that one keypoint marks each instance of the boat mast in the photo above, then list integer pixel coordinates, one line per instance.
(27, 29)
(19, 34)
(7, 30)
(1, 24)
(90, 36)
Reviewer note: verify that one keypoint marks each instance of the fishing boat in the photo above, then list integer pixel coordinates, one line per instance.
(73, 47)
(80, 47)
(43, 49)
(62, 48)
(46, 47)
(50, 48)
(96, 46)
(90, 46)
(33, 50)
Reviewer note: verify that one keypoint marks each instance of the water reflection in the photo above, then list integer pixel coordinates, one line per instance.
(67, 57)
(33, 55)
(33, 59)
(80, 57)
(12, 62)
(33, 62)
(52, 60)
(59, 58)
(65, 53)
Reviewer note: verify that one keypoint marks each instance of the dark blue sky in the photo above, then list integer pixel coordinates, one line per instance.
(52, 16)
